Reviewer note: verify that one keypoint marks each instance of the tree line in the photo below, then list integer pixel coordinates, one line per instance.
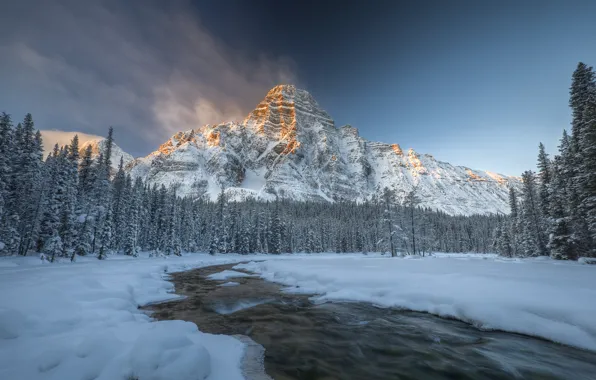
(71, 204)
(555, 214)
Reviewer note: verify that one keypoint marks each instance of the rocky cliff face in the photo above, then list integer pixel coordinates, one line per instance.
(289, 147)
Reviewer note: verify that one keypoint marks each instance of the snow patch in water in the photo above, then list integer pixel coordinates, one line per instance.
(237, 306)
(230, 283)
(226, 274)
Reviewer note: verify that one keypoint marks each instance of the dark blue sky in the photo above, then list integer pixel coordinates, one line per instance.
(472, 82)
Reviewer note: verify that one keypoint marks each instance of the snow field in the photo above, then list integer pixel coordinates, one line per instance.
(67, 321)
(81, 321)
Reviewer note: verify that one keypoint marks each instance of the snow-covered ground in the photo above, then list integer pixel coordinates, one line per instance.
(539, 297)
(81, 321)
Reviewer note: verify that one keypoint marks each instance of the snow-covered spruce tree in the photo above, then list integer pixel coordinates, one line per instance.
(27, 181)
(86, 174)
(582, 89)
(130, 243)
(68, 218)
(214, 240)
(533, 234)
(186, 224)
(9, 236)
(55, 197)
(222, 222)
(561, 243)
(105, 235)
(231, 230)
(504, 240)
(411, 202)
(560, 239)
(171, 244)
(388, 220)
(87, 235)
(582, 85)
(53, 247)
(163, 220)
(544, 175)
(144, 216)
(426, 235)
(107, 154)
(153, 225)
(67, 228)
(119, 207)
(262, 241)
(6, 158)
(587, 168)
(243, 237)
(274, 243)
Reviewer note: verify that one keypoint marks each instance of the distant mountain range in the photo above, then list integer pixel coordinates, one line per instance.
(290, 147)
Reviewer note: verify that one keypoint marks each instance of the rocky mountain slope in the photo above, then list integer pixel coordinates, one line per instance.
(289, 147)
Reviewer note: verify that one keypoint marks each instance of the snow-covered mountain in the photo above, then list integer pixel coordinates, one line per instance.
(51, 138)
(289, 147)
(98, 145)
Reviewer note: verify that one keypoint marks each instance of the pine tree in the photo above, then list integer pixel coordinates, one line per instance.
(26, 179)
(531, 218)
(411, 201)
(587, 144)
(107, 155)
(54, 196)
(53, 246)
(579, 161)
(222, 220)
(86, 235)
(544, 174)
(105, 235)
(86, 174)
(119, 199)
(582, 84)
(275, 230)
(131, 247)
(6, 159)
(504, 241)
(513, 223)
(214, 241)
(67, 228)
(388, 220)
(560, 242)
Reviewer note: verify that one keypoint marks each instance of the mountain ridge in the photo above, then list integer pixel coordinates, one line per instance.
(50, 138)
(289, 147)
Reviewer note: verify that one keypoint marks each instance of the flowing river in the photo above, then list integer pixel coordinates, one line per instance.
(304, 340)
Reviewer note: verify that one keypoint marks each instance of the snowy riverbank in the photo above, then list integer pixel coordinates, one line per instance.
(539, 297)
(81, 321)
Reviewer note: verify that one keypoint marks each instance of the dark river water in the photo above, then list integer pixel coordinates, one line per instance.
(304, 340)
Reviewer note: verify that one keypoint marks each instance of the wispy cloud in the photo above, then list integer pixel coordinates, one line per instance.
(148, 68)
